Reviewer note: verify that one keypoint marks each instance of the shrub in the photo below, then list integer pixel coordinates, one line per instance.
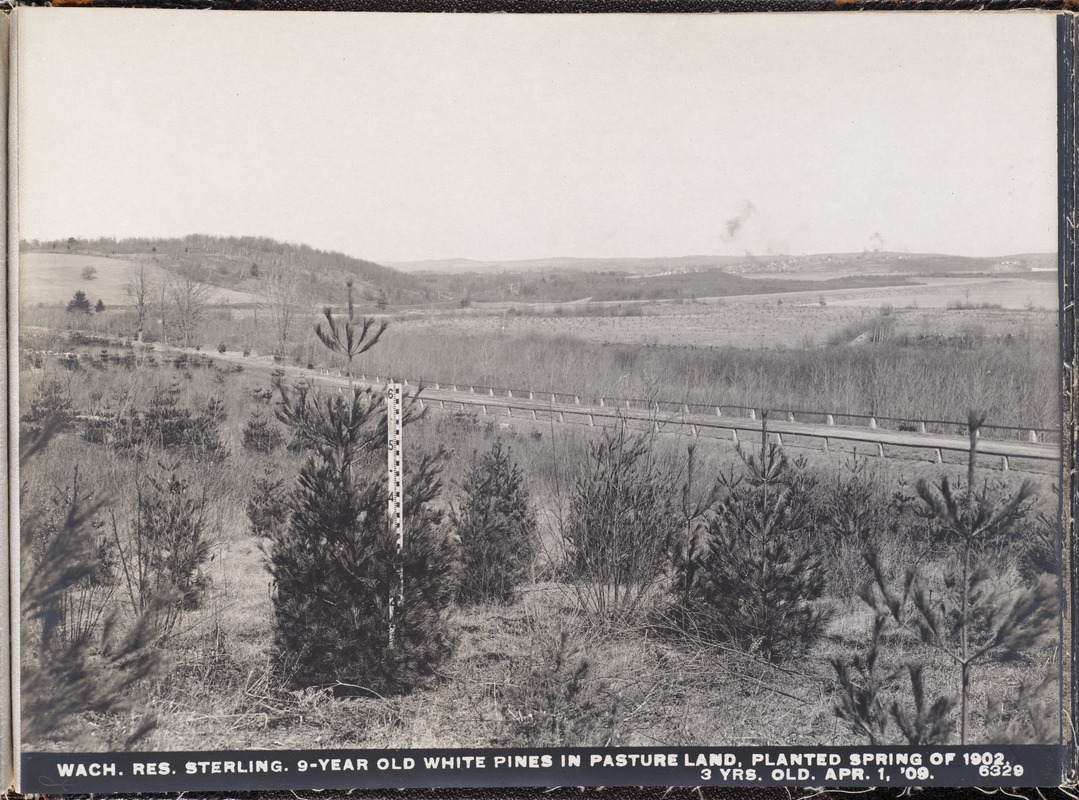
(336, 564)
(496, 526)
(89, 273)
(760, 570)
(620, 524)
(222, 347)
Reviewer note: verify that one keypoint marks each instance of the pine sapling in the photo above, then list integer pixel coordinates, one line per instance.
(63, 677)
(967, 615)
(354, 337)
(760, 572)
(496, 526)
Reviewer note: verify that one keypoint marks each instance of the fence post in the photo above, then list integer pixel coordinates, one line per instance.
(484, 407)
(790, 416)
(829, 420)
(531, 396)
(921, 426)
(602, 403)
(752, 413)
(576, 400)
(561, 417)
(591, 421)
(825, 444)
(509, 393)
(719, 411)
(734, 435)
(872, 423)
(437, 385)
(1004, 463)
(880, 449)
(940, 458)
(490, 392)
(534, 414)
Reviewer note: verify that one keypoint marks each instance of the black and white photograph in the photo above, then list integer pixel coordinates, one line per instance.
(515, 383)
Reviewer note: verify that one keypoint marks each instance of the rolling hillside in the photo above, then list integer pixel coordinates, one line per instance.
(237, 266)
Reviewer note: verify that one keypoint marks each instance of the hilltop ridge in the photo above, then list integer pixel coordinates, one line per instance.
(242, 264)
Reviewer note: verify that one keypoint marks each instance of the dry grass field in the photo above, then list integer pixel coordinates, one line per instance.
(744, 323)
(644, 686)
(200, 452)
(50, 278)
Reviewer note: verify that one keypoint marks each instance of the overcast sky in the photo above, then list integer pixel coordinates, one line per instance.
(400, 137)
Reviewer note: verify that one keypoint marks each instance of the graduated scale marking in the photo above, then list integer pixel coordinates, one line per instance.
(396, 515)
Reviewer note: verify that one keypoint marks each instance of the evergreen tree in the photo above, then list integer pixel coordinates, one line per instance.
(267, 508)
(79, 303)
(100, 307)
(261, 435)
(103, 672)
(969, 613)
(759, 570)
(335, 563)
(50, 405)
(163, 565)
(496, 527)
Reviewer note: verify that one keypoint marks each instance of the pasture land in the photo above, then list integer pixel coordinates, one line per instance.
(561, 662)
(48, 278)
(644, 686)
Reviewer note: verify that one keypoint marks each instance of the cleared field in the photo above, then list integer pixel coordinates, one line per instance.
(745, 323)
(52, 278)
(1009, 293)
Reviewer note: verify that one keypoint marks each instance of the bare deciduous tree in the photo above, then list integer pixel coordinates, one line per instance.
(138, 290)
(282, 290)
(190, 296)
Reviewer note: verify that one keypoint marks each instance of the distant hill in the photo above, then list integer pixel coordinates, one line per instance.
(569, 264)
(851, 263)
(240, 265)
